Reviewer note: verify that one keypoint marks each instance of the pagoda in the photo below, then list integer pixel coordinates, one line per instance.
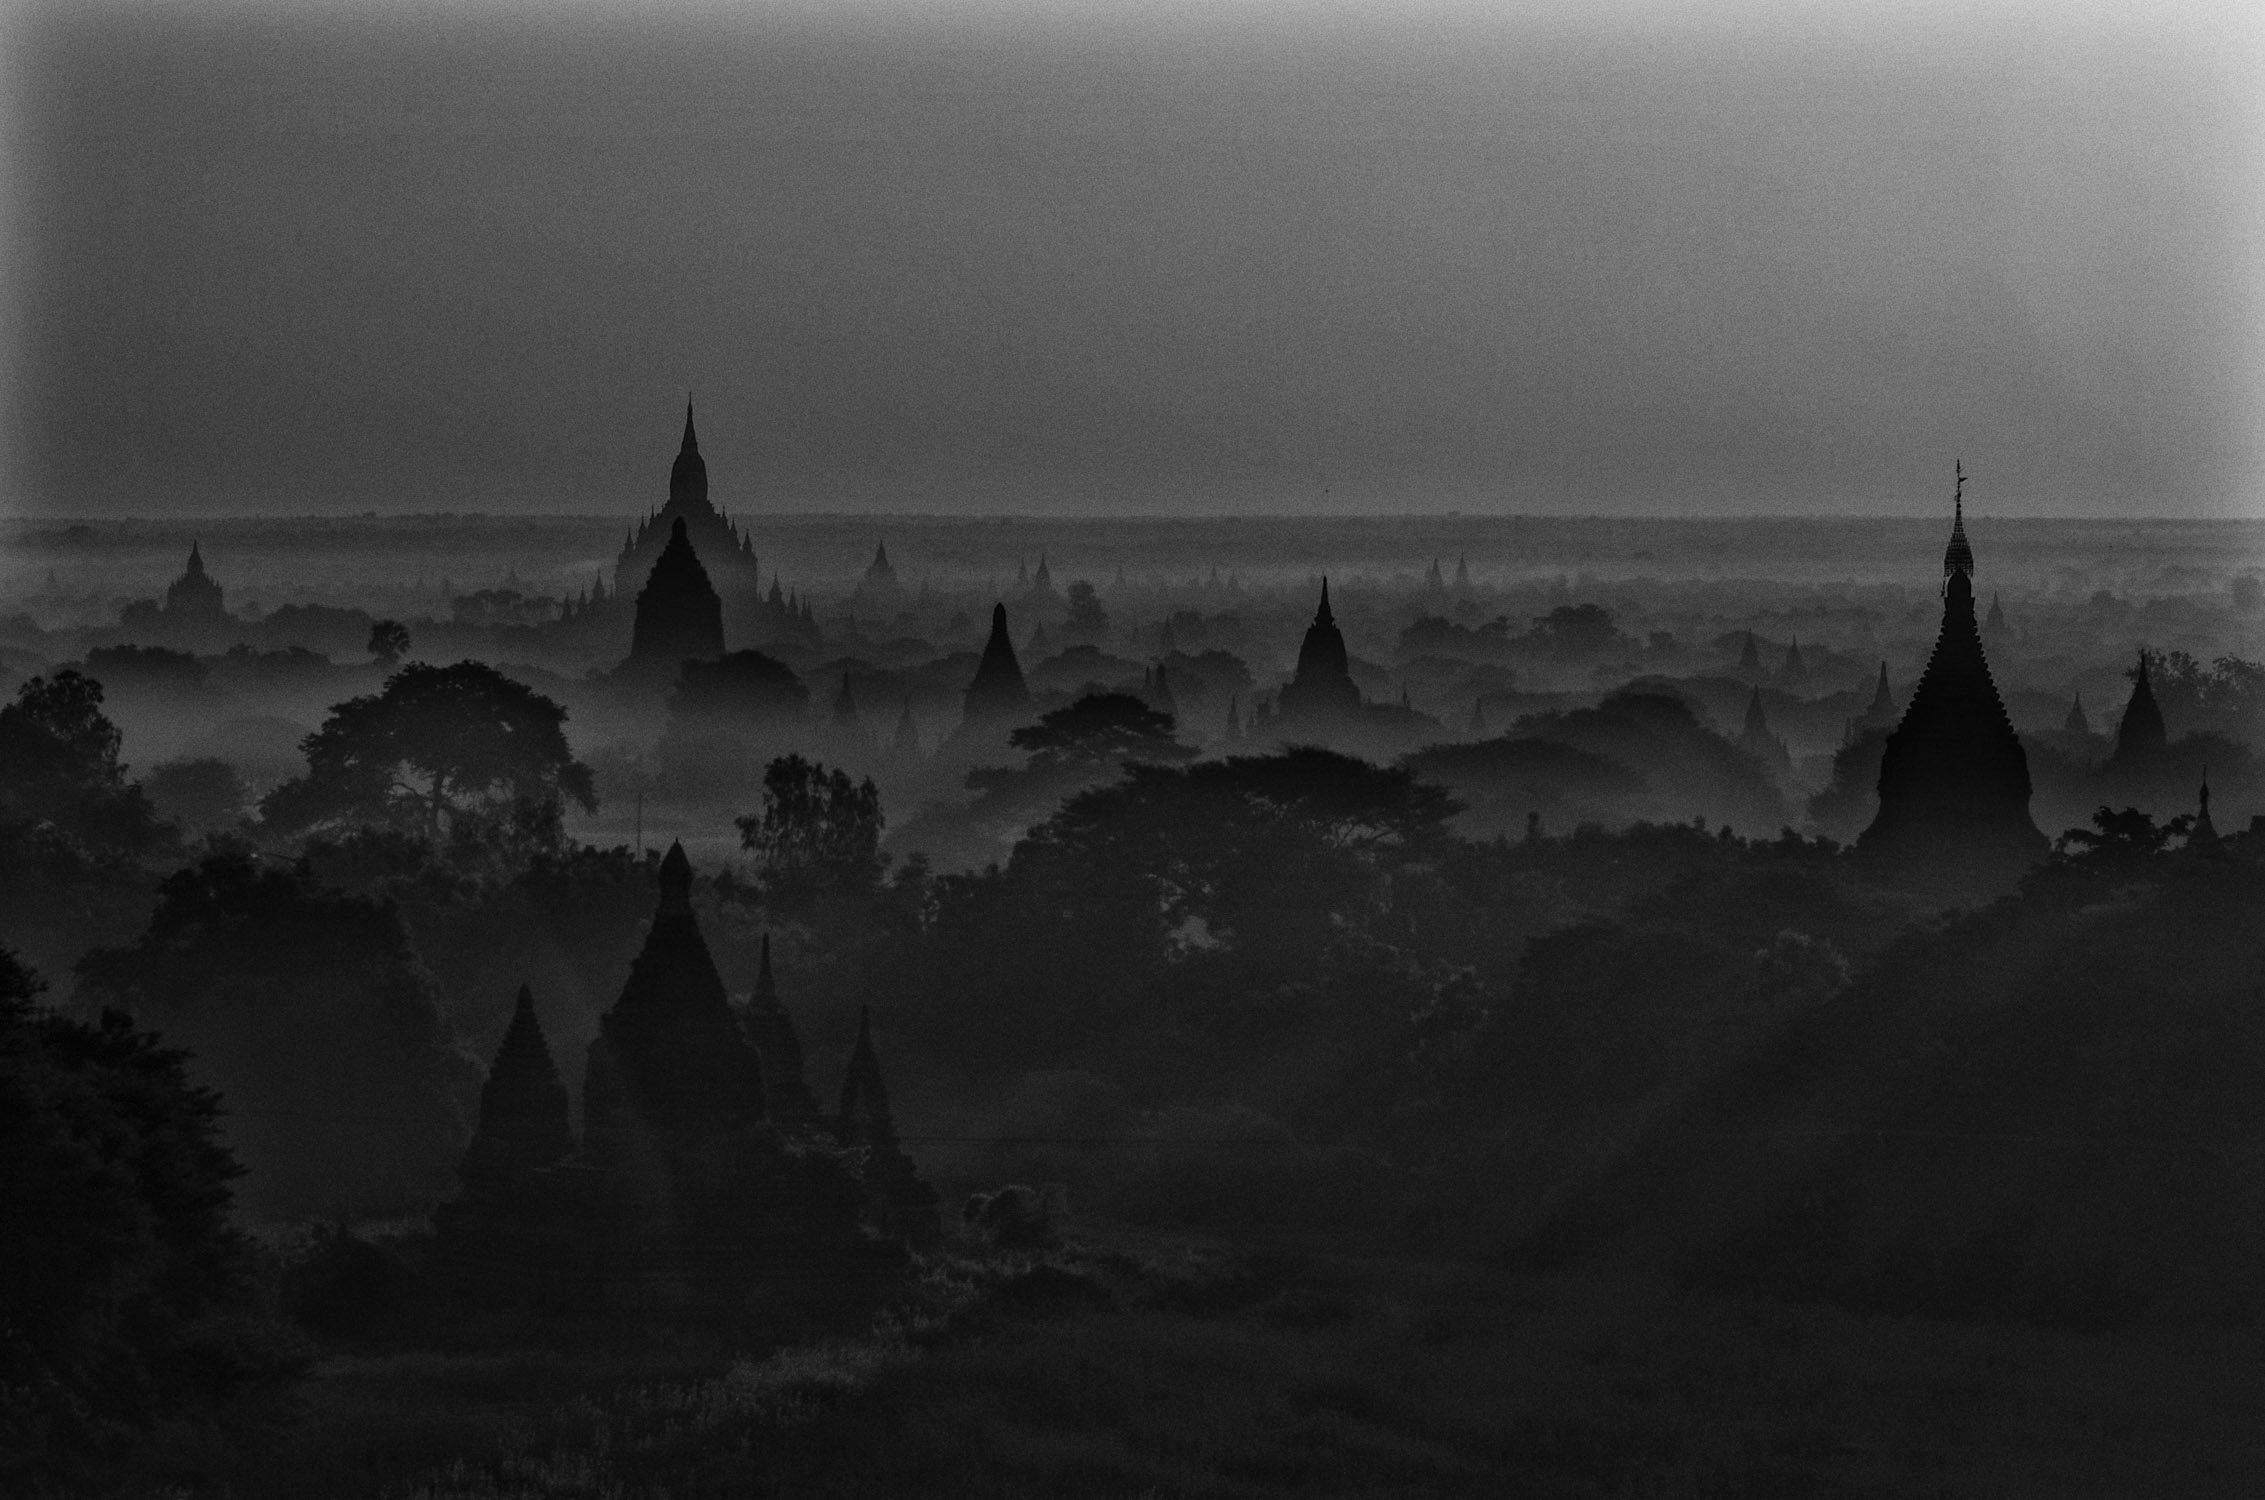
(679, 617)
(2141, 735)
(1954, 779)
(997, 695)
(1323, 688)
(194, 596)
(705, 1179)
(724, 549)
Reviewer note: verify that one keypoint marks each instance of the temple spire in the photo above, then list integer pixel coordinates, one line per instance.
(1322, 616)
(1958, 557)
(691, 443)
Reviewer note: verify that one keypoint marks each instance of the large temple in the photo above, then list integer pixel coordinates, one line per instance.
(724, 549)
(1954, 779)
(679, 616)
(704, 1177)
(1323, 690)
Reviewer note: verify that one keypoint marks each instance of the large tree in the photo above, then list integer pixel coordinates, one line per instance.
(434, 745)
(59, 766)
(127, 1302)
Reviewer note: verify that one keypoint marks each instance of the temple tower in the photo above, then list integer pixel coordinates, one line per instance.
(670, 1058)
(725, 551)
(524, 1118)
(2141, 736)
(679, 617)
(1954, 779)
(898, 1204)
(1323, 687)
(997, 695)
(779, 1046)
(194, 595)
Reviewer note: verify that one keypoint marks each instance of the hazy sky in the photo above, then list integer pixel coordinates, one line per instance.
(1147, 258)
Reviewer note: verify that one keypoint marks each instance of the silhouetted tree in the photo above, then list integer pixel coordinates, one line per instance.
(199, 793)
(389, 641)
(435, 744)
(818, 831)
(59, 765)
(126, 1303)
(1087, 621)
(2120, 838)
(308, 1009)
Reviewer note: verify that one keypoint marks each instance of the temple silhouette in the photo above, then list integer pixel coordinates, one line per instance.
(705, 1175)
(1954, 780)
(1322, 691)
(679, 616)
(996, 695)
(724, 549)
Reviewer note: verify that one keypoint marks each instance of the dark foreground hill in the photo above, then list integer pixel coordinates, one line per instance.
(2049, 1111)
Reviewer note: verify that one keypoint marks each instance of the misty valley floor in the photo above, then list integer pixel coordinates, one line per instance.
(1304, 1372)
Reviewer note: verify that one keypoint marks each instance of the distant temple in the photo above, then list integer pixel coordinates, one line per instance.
(724, 550)
(704, 1177)
(2142, 734)
(679, 617)
(194, 595)
(2077, 722)
(1323, 688)
(1954, 779)
(997, 695)
(1757, 740)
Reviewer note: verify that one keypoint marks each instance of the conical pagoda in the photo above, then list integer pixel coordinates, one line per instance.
(2141, 736)
(679, 616)
(997, 695)
(1757, 740)
(904, 744)
(898, 1203)
(1954, 779)
(779, 1046)
(1323, 687)
(670, 1056)
(2204, 833)
(2077, 722)
(524, 1118)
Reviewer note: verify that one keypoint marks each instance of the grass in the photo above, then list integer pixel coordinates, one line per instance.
(1164, 1368)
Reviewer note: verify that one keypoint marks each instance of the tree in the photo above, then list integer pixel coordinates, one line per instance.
(437, 744)
(310, 1012)
(389, 641)
(127, 1301)
(1100, 729)
(2123, 838)
(196, 793)
(818, 830)
(1087, 619)
(59, 765)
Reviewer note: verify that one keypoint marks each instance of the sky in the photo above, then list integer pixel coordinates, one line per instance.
(1218, 257)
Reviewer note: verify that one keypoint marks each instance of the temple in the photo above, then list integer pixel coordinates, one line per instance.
(194, 596)
(724, 550)
(1323, 690)
(1757, 740)
(1954, 779)
(997, 695)
(2141, 736)
(679, 617)
(705, 1177)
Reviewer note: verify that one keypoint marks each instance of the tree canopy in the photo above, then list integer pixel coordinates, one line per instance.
(436, 744)
(59, 765)
(818, 829)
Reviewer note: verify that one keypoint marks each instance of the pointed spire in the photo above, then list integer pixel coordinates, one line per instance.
(766, 987)
(196, 559)
(1322, 616)
(1958, 557)
(2204, 833)
(1883, 702)
(691, 443)
(2077, 722)
(2142, 732)
(675, 876)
